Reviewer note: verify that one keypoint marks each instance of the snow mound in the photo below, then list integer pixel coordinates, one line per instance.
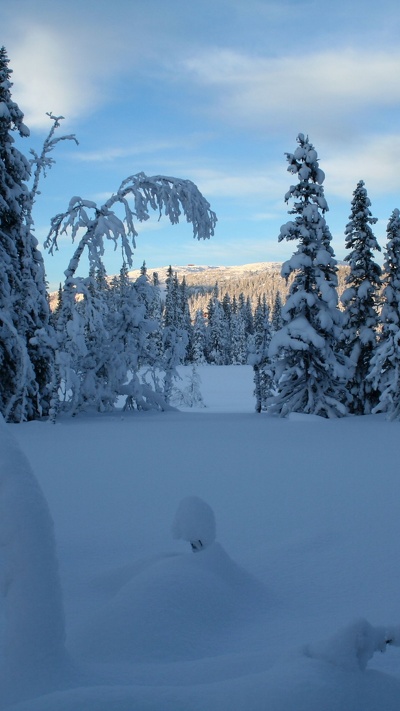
(32, 653)
(353, 647)
(178, 607)
(194, 522)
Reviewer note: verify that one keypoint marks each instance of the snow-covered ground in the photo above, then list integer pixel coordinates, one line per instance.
(287, 609)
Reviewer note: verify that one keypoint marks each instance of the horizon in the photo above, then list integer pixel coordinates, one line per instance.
(217, 94)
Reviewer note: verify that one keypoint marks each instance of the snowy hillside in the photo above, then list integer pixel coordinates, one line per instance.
(210, 274)
(288, 604)
(206, 275)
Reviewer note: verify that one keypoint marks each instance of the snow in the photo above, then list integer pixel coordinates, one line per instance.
(33, 640)
(289, 608)
(218, 272)
(194, 522)
(4, 112)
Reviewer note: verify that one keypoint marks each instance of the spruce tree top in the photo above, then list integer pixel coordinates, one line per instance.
(359, 235)
(14, 167)
(11, 115)
(304, 163)
(309, 227)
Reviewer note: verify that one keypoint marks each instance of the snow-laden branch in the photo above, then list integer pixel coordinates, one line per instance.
(22, 364)
(43, 161)
(138, 195)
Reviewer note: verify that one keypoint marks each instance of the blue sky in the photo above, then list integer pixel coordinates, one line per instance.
(214, 91)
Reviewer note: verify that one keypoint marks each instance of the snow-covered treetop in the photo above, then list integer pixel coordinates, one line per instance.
(304, 163)
(357, 230)
(361, 240)
(9, 110)
(309, 226)
(194, 522)
(391, 269)
(14, 167)
(391, 263)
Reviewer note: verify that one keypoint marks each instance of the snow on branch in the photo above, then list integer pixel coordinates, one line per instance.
(138, 195)
(44, 162)
(353, 647)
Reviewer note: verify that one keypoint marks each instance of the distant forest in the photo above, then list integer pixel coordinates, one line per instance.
(201, 285)
(251, 285)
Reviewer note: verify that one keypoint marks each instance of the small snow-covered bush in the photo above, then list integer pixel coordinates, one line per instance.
(194, 522)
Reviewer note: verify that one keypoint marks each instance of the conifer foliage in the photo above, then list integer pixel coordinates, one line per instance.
(308, 373)
(384, 374)
(259, 358)
(25, 341)
(360, 300)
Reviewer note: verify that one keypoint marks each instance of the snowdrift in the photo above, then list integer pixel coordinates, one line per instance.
(269, 613)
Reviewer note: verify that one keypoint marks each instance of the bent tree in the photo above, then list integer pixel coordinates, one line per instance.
(91, 227)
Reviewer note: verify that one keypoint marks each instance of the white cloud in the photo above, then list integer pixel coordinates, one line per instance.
(148, 147)
(375, 159)
(307, 89)
(213, 183)
(53, 72)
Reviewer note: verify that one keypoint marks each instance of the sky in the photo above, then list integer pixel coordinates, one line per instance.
(215, 92)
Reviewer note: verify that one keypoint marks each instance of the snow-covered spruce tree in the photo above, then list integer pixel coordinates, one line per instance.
(154, 347)
(237, 353)
(384, 373)
(276, 316)
(244, 307)
(132, 325)
(175, 335)
(230, 336)
(149, 295)
(186, 321)
(189, 394)
(199, 338)
(218, 340)
(83, 349)
(25, 352)
(360, 301)
(259, 358)
(308, 373)
(93, 225)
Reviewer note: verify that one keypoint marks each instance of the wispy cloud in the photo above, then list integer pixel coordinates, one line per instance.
(375, 159)
(229, 182)
(52, 73)
(313, 90)
(225, 183)
(149, 148)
